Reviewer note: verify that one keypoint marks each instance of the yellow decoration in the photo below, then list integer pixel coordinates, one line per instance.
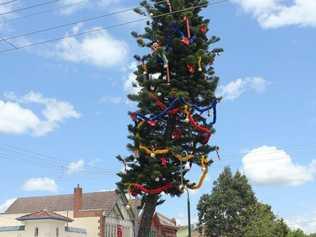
(145, 69)
(204, 164)
(200, 63)
(187, 113)
(130, 199)
(139, 125)
(153, 153)
(184, 158)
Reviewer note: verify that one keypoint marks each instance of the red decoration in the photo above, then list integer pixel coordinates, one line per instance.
(162, 106)
(133, 116)
(203, 28)
(198, 127)
(206, 132)
(164, 162)
(154, 191)
(191, 68)
(152, 123)
(185, 41)
(187, 24)
(205, 137)
(176, 134)
(159, 104)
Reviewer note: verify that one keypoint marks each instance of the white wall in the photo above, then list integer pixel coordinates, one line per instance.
(12, 234)
(47, 228)
(90, 224)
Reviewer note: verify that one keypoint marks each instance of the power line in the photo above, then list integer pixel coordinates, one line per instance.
(37, 158)
(110, 27)
(29, 7)
(8, 2)
(8, 42)
(67, 24)
(65, 6)
(73, 23)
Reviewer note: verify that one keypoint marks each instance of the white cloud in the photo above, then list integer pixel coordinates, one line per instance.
(40, 184)
(98, 48)
(17, 118)
(306, 223)
(4, 206)
(130, 82)
(75, 167)
(4, 8)
(267, 165)
(235, 89)
(111, 100)
(71, 6)
(277, 13)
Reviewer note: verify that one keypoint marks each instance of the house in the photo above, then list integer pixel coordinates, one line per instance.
(163, 226)
(101, 214)
(42, 223)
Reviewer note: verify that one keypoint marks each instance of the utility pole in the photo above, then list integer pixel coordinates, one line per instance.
(189, 213)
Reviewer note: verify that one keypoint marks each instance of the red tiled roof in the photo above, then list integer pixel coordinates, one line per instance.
(47, 215)
(90, 201)
(165, 221)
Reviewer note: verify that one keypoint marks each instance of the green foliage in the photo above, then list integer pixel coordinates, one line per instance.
(171, 53)
(197, 88)
(232, 210)
(263, 223)
(225, 212)
(297, 233)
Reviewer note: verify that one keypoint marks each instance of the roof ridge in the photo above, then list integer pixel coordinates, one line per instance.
(104, 200)
(63, 195)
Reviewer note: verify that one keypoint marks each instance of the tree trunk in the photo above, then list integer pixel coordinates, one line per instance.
(147, 216)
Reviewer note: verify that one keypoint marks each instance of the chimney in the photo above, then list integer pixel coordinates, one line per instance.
(77, 200)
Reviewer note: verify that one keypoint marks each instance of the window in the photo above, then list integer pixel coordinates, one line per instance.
(57, 232)
(36, 232)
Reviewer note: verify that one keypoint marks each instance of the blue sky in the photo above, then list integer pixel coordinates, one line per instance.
(63, 110)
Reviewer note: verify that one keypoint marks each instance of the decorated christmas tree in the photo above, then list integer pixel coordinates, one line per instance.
(176, 103)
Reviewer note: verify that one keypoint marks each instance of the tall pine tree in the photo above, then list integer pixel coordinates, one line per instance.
(171, 129)
(226, 211)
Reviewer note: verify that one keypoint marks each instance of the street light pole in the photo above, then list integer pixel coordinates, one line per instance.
(189, 213)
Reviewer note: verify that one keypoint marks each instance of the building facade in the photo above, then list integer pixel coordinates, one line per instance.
(42, 224)
(163, 226)
(101, 214)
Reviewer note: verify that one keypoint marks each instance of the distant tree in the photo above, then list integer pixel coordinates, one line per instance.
(263, 223)
(232, 210)
(297, 233)
(225, 212)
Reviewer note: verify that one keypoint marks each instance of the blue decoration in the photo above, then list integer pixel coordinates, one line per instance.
(211, 107)
(172, 105)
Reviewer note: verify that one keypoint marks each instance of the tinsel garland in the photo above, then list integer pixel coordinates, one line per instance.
(135, 188)
(183, 158)
(153, 118)
(154, 152)
(204, 165)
